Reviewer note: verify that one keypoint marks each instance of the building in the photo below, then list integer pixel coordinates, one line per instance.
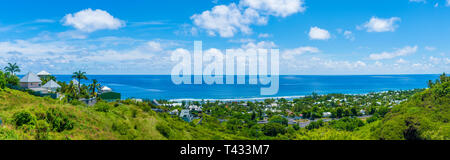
(30, 80)
(326, 114)
(51, 86)
(174, 112)
(43, 74)
(105, 89)
(186, 115)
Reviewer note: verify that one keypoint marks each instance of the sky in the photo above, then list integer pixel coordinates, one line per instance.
(315, 37)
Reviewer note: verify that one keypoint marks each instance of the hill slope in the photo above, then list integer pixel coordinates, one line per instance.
(424, 116)
(29, 117)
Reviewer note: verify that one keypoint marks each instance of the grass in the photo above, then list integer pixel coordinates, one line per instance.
(116, 122)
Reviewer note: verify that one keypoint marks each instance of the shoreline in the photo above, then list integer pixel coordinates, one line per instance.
(277, 97)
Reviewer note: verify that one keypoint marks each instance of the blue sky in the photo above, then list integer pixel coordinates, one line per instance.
(314, 36)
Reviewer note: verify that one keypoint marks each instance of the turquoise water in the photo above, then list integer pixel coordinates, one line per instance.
(161, 86)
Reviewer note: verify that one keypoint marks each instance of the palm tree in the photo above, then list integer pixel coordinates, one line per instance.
(46, 79)
(79, 76)
(12, 68)
(95, 85)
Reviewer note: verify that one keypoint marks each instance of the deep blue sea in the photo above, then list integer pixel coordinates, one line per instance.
(162, 87)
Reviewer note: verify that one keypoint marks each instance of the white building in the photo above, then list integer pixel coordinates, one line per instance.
(43, 74)
(105, 89)
(326, 114)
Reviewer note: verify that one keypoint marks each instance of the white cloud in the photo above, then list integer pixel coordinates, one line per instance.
(259, 45)
(448, 3)
(316, 33)
(381, 25)
(349, 35)
(154, 46)
(263, 35)
(429, 48)
(401, 61)
(281, 8)
(399, 52)
(290, 53)
(227, 20)
(89, 20)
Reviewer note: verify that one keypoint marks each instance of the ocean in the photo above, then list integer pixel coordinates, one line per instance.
(291, 86)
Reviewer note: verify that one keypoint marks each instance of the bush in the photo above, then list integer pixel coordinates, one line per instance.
(372, 119)
(279, 119)
(58, 120)
(347, 124)
(273, 129)
(24, 118)
(315, 125)
(42, 129)
(164, 130)
(102, 107)
(121, 127)
(2, 80)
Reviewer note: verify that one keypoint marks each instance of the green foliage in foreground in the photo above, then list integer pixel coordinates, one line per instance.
(29, 117)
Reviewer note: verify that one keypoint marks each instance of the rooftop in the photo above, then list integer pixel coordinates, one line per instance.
(30, 77)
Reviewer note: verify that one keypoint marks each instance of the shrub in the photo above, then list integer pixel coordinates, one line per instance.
(102, 107)
(372, 119)
(58, 120)
(164, 130)
(121, 127)
(279, 119)
(2, 80)
(24, 118)
(347, 124)
(315, 125)
(42, 129)
(273, 129)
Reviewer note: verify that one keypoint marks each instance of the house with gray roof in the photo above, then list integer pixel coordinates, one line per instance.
(30, 80)
(51, 85)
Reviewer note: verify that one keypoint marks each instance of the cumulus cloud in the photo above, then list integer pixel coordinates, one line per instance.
(281, 8)
(317, 33)
(89, 20)
(381, 25)
(227, 20)
(290, 53)
(399, 52)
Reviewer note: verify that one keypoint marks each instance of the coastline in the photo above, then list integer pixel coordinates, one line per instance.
(276, 97)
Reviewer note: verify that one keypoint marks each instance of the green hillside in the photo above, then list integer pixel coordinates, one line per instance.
(29, 117)
(425, 116)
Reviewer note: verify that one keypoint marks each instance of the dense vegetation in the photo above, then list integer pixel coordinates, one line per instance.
(424, 115)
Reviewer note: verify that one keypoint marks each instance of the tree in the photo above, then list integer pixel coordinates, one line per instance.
(94, 86)
(79, 76)
(2, 80)
(47, 78)
(279, 119)
(12, 68)
(273, 129)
